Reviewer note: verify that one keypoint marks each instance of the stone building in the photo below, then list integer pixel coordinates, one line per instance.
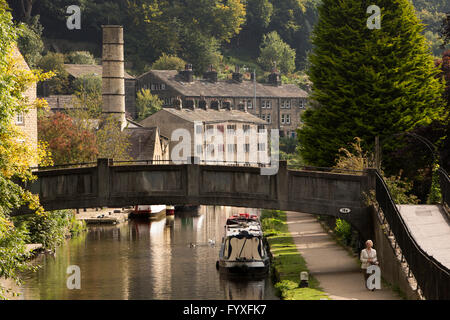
(147, 144)
(213, 135)
(280, 105)
(27, 121)
(63, 102)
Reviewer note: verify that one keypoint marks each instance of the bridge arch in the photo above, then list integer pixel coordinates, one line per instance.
(108, 185)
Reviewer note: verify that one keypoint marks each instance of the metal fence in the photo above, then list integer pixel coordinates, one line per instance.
(432, 277)
(444, 180)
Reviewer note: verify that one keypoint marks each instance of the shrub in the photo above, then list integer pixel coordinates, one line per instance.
(80, 57)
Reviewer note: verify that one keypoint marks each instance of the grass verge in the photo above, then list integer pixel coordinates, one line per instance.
(287, 263)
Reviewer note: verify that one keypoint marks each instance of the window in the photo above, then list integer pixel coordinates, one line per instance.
(199, 129)
(210, 129)
(158, 86)
(221, 148)
(220, 128)
(293, 134)
(247, 148)
(199, 149)
(261, 147)
(249, 104)
(246, 128)
(19, 118)
(266, 104)
(261, 128)
(302, 104)
(232, 148)
(285, 119)
(168, 101)
(269, 118)
(263, 116)
(285, 104)
(210, 149)
(231, 129)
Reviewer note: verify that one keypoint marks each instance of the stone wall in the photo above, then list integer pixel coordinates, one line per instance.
(392, 270)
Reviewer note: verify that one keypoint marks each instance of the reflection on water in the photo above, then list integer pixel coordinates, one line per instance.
(146, 260)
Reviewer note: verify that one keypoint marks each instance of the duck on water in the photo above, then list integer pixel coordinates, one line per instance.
(242, 251)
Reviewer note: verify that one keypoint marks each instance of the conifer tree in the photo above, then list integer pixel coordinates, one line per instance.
(367, 82)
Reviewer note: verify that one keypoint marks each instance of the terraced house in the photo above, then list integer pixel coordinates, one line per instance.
(280, 105)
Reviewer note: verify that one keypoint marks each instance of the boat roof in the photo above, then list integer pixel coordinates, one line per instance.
(244, 229)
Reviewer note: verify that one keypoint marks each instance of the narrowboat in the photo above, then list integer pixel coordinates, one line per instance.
(242, 251)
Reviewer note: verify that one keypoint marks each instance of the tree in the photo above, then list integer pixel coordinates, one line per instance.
(88, 95)
(15, 158)
(54, 62)
(445, 29)
(147, 104)
(69, 142)
(367, 83)
(169, 62)
(30, 42)
(112, 142)
(80, 57)
(274, 51)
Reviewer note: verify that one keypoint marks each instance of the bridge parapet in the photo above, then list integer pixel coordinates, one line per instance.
(109, 185)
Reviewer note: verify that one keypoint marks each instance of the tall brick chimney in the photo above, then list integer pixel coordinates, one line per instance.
(113, 81)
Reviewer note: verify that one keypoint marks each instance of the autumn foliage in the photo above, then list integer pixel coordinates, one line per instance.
(68, 141)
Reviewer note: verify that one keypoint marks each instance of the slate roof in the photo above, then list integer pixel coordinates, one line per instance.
(215, 116)
(79, 70)
(226, 88)
(142, 142)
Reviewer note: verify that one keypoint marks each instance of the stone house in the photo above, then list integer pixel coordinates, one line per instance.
(27, 121)
(147, 144)
(280, 105)
(213, 135)
(63, 102)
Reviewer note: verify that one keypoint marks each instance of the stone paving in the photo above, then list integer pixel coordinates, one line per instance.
(430, 228)
(338, 272)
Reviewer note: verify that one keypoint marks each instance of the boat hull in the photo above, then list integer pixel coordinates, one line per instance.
(244, 268)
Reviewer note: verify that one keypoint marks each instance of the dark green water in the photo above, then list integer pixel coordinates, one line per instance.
(146, 260)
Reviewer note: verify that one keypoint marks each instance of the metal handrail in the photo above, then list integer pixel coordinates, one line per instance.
(444, 180)
(324, 169)
(432, 277)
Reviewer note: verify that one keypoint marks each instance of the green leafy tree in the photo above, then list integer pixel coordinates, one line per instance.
(30, 42)
(112, 142)
(367, 83)
(15, 158)
(274, 51)
(80, 57)
(147, 104)
(54, 62)
(88, 94)
(169, 62)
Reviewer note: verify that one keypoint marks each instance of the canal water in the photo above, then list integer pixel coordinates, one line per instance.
(146, 260)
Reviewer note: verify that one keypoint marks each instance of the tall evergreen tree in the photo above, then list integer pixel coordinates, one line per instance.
(367, 82)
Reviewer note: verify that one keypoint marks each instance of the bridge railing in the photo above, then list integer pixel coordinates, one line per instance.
(432, 277)
(444, 180)
(324, 169)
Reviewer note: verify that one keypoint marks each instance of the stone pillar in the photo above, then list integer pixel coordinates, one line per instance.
(282, 184)
(193, 179)
(113, 75)
(103, 181)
